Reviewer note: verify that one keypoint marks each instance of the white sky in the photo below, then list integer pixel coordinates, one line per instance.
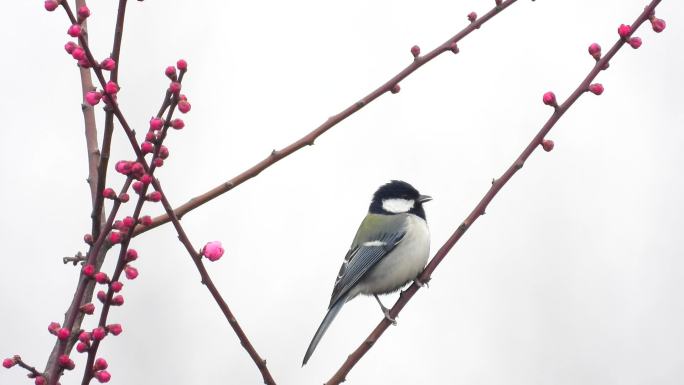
(575, 274)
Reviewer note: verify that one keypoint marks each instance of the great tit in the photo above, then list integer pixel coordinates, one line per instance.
(390, 249)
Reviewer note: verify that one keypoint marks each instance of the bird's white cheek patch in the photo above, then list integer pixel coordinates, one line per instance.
(398, 205)
(374, 243)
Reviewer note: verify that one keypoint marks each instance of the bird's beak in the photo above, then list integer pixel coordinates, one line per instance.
(424, 198)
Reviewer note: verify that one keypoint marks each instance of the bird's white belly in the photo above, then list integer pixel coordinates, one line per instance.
(401, 265)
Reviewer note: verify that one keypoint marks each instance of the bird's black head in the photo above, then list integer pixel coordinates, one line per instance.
(398, 197)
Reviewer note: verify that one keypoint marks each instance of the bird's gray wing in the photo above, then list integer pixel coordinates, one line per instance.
(367, 251)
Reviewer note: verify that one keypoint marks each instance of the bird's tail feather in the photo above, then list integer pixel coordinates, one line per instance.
(329, 317)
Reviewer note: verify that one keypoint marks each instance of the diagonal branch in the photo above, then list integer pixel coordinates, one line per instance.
(391, 85)
(479, 210)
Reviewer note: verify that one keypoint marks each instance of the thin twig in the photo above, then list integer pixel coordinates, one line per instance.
(308, 140)
(479, 210)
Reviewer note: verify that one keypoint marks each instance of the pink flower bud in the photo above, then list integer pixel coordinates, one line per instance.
(472, 16)
(101, 277)
(84, 337)
(213, 250)
(100, 364)
(547, 145)
(88, 270)
(395, 89)
(158, 162)
(87, 308)
(658, 25)
(596, 88)
(8, 363)
(131, 272)
(40, 380)
(101, 296)
(415, 51)
(550, 99)
(53, 327)
(78, 53)
(103, 376)
(66, 362)
(98, 333)
(117, 300)
(138, 186)
(137, 168)
(93, 97)
(184, 106)
(146, 179)
(151, 137)
(115, 329)
(128, 221)
(154, 196)
(109, 193)
(624, 30)
(88, 238)
(108, 64)
(124, 197)
(116, 286)
(111, 88)
(454, 48)
(63, 334)
(74, 30)
(146, 220)
(595, 51)
(182, 97)
(177, 124)
(146, 147)
(70, 47)
(163, 152)
(123, 167)
(182, 65)
(115, 237)
(634, 42)
(132, 254)
(170, 72)
(83, 12)
(82, 347)
(156, 123)
(51, 5)
(175, 87)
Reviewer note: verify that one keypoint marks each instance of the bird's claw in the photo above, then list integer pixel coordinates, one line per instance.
(389, 318)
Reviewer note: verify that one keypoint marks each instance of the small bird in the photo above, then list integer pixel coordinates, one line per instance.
(390, 249)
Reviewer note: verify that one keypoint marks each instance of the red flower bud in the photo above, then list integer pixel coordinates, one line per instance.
(100, 364)
(98, 333)
(624, 30)
(87, 308)
(84, 336)
(156, 123)
(40, 380)
(109, 193)
(53, 327)
(51, 5)
(550, 99)
(78, 53)
(132, 254)
(116, 286)
(175, 87)
(74, 30)
(170, 72)
(88, 270)
(101, 277)
(115, 237)
(158, 162)
(137, 187)
(415, 51)
(595, 51)
(163, 152)
(103, 376)
(63, 334)
(177, 124)
(124, 198)
(472, 16)
(146, 179)
(111, 88)
(108, 64)
(82, 347)
(83, 12)
(93, 97)
(658, 25)
(131, 272)
(117, 300)
(115, 329)
(395, 88)
(8, 362)
(66, 362)
(154, 196)
(182, 65)
(596, 88)
(184, 106)
(101, 296)
(634, 42)
(123, 167)
(88, 238)
(146, 147)
(547, 145)
(70, 47)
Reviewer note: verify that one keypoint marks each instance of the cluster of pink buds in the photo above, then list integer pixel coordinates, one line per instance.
(109, 92)
(213, 251)
(61, 333)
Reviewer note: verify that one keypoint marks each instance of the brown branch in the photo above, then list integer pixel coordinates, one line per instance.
(308, 140)
(479, 210)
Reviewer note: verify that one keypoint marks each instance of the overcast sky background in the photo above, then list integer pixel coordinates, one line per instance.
(574, 276)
